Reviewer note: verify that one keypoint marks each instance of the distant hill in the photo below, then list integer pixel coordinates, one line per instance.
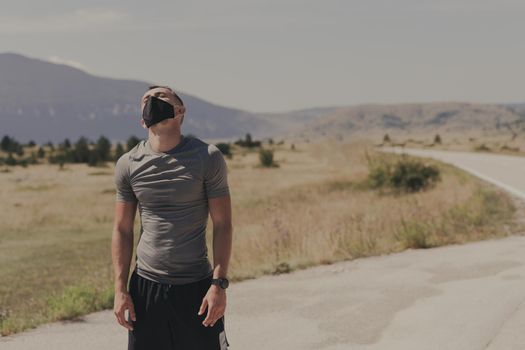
(423, 118)
(43, 101)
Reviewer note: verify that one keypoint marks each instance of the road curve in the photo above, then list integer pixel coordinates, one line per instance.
(504, 171)
(457, 297)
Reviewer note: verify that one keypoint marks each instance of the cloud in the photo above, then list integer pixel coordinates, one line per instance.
(71, 63)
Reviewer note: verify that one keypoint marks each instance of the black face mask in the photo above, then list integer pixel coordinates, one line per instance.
(156, 110)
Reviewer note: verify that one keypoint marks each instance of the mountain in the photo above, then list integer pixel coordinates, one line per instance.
(417, 118)
(44, 101)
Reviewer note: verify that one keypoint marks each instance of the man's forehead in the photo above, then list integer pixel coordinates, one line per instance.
(153, 91)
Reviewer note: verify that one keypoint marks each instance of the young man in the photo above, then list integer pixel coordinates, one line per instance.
(175, 299)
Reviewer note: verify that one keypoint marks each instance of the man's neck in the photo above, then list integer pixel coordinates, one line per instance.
(163, 143)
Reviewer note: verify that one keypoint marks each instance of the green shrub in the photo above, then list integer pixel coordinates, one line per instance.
(225, 148)
(413, 175)
(266, 158)
(379, 175)
(405, 175)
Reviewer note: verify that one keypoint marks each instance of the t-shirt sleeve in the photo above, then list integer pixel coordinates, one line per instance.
(122, 181)
(215, 173)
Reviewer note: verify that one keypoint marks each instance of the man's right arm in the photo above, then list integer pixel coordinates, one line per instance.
(122, 240)
(121, 253)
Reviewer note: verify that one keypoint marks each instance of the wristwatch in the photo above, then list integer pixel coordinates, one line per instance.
(221, 282)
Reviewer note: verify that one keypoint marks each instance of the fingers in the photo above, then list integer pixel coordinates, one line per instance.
(203, 306)
(121, 319)
(209, 317)
(132, 311)
(124, 322)
(127, 323)
(214, 313)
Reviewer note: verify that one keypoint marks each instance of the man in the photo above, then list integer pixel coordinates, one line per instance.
(176, 299)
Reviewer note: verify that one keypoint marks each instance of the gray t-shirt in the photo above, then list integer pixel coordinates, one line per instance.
(172, 189)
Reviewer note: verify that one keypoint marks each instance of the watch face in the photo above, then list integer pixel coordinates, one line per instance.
(224, 283)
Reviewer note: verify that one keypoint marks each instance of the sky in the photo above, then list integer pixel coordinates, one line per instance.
(280, 55)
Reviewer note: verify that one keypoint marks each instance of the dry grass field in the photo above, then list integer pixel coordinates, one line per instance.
(315, 208)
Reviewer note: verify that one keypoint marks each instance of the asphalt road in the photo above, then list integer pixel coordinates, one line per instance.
(460, 297)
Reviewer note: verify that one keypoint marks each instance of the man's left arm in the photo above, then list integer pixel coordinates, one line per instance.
(215, 299)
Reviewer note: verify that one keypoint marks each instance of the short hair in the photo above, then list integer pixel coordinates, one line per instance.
(167, 87)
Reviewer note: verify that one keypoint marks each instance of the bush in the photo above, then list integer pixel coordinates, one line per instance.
(405, 175)
(41, 153)
(414, 175)
(266, 158)
(224, 148)
(379, 175)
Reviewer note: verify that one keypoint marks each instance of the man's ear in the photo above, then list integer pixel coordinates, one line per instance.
(181, 110)
(143, 124)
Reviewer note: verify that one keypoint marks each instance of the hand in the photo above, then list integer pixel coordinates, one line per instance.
(215, 299)
(122, 303)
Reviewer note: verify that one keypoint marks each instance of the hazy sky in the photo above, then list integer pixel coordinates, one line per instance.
(276, 55)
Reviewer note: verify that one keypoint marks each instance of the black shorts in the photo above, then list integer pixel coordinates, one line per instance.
(166, 317)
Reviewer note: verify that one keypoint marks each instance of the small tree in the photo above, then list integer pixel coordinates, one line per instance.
(81, 152)
(9, 144)
(5, 143)
(103, 148)
(437, 139)
(386, 139)
(119, 151)
(132, 142)
(93, 158)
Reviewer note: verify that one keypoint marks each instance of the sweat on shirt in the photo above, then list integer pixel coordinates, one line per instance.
(172, 189)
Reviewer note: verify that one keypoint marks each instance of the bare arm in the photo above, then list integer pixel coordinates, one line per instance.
(220, 212)
(215, 299)
(121, 253)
